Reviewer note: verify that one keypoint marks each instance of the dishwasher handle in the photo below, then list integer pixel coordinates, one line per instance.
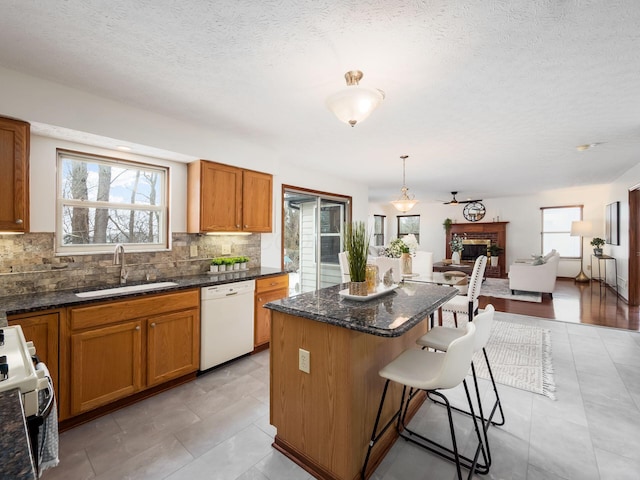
(231, 294)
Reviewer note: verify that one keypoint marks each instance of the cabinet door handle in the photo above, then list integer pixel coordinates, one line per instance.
(237, 226)
(153, 325)
(273, 284)
(137, 327)
(19, 221)
(246, 226)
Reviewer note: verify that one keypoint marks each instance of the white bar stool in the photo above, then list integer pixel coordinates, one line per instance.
(468, 304)
(431, 372)
(440, 338)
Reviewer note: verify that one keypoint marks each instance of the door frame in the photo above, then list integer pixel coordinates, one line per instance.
(347, 199)
(633, 287)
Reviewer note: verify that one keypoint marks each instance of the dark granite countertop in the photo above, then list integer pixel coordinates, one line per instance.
(44, 301)
(389, 315)
(17, 462)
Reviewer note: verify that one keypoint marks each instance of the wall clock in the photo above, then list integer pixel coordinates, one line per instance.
(474, 211)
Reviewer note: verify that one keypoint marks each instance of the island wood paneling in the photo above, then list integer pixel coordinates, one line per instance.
(324, 419)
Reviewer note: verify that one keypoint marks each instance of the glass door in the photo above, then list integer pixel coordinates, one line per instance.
(313, 235)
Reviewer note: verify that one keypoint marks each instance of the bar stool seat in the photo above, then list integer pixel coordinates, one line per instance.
(431, 372)
(440, 338)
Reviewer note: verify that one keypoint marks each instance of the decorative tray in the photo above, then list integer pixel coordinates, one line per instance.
(410, 275)
(381, 290)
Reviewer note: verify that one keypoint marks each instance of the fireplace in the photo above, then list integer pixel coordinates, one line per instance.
(473, 248)
(477, 237)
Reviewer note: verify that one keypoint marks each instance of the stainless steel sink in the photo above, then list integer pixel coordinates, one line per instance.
(125, 289)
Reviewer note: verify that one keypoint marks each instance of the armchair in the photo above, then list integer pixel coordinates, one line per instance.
(541, 278)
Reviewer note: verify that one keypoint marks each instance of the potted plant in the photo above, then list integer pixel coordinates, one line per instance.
(447, 224)
(597, 243)
(215, 264)
(244, 263)
(495, 250)
(357, 246)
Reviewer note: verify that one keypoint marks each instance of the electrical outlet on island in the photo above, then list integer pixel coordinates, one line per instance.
(304, 360)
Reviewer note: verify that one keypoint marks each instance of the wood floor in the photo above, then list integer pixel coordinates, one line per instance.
(577, 303)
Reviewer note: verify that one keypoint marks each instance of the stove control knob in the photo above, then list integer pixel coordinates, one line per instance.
(4, 368)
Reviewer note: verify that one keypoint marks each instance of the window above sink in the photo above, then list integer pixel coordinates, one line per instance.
(105, 201)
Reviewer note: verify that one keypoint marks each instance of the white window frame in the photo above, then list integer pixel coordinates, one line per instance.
(164, 240)
(567, 232)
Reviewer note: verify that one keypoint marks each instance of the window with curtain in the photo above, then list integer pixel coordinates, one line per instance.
(409, 224)
(556, 230)
(378, 230)
(105, 201)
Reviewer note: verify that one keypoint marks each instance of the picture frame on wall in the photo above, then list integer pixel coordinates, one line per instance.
(611, 224)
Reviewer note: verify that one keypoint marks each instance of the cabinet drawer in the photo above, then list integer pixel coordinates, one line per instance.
(272, 283)
(120, 310)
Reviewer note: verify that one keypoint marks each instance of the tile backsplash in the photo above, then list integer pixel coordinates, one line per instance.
(28, 263)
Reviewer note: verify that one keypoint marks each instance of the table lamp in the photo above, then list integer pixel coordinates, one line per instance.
(581, 228)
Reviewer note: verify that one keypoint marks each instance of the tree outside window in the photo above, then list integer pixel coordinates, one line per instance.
(102, 202)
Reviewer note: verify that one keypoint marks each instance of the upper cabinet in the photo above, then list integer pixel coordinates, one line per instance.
(14, 175)
(222, 198)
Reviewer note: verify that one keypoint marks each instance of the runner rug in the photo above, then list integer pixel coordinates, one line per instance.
(520, 357)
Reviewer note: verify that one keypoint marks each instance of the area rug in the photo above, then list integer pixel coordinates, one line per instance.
(499, 288)
(520, 357)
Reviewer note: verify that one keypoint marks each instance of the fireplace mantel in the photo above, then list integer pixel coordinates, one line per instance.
(494, 231)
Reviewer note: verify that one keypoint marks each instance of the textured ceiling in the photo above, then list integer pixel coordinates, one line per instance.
(489, 98)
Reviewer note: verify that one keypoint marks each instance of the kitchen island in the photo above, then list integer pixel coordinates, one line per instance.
(324, 418)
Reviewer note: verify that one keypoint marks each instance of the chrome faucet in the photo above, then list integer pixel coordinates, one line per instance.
(118, 259)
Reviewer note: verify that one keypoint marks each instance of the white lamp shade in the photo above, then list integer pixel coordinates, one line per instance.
(353, 104)
(404, 205)
(581, 228)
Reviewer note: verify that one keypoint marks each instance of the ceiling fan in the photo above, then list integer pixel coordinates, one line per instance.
(455, 201)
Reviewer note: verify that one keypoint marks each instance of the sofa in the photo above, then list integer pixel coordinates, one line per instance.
(537, 275)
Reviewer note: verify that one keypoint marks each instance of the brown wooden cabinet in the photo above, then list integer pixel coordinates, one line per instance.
(106, 365)
(14, 175)
(42, 328)
(172, 345)
(111, 350)
(222, 198)
(267, 290)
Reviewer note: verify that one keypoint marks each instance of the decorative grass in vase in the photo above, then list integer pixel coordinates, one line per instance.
(357, 246)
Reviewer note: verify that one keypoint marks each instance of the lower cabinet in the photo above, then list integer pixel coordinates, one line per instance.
(267, 290)
(111, 350)
(171, 344)
(106, 365)
(41, 328)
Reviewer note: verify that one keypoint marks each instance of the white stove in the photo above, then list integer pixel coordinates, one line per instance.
(17, 368)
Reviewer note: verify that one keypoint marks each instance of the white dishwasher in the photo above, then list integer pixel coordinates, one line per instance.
(226, 322)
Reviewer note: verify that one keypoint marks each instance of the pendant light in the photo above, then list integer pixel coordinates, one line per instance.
(354, 103)
(406, 201)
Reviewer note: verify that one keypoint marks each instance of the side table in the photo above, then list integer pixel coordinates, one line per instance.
(602, 260)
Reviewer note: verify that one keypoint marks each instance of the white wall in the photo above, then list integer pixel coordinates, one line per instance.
(618, 191)
(522, 213)
(36, 100)
(42, 163)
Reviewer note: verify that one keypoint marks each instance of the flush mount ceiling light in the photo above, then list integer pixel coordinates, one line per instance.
(588, 146)
(406, 201)
(355, 103)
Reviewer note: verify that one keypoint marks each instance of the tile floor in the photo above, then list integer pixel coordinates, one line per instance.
(217, 427)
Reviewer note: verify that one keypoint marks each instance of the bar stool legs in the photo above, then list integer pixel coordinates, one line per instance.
(431, 372)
